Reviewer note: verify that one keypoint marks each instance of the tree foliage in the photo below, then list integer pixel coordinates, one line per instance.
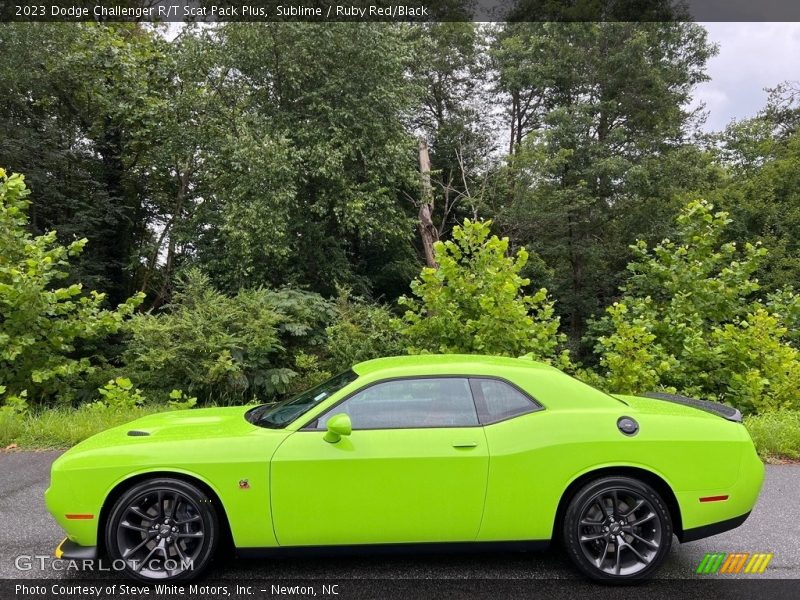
(45, 328)
(319, 145)
(475, 302)
(598, 129)
(361, 330)
(281, 160)
(225, 348)
(688, 321)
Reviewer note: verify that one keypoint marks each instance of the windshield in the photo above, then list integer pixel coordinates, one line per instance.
(281, 414)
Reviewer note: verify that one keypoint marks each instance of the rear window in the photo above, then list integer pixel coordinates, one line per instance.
(497, 400)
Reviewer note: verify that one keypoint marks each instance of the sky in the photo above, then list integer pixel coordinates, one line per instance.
(752, 56)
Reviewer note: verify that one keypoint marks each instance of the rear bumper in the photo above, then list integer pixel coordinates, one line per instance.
(698, 533)
(69, 550)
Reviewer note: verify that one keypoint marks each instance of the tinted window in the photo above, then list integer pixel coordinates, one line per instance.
(409, 403)
(281, 414)
(497, 400)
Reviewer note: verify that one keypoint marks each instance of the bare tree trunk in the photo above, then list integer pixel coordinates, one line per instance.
(514, 110)
(427, 230)
(183, 187)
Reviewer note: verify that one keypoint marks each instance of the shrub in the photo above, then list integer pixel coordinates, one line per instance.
(119, 394)
(688, 322)
(13, 411)
(42, 324)
(178, 400)
(785, 305)
(475, 302)
(222, 348)
(360, 331)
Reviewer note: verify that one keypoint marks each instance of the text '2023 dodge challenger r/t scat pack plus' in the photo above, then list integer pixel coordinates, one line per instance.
(405, 451)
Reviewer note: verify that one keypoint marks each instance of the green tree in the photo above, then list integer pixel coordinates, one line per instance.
(688, 321)
(86, 106)
(762, 194)
(45, 330)
(455, 113)
(316, 162)
(475, 302)
(598, 132)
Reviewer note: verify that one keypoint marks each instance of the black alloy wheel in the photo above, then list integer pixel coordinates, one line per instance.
(617, 529)
(162, 530)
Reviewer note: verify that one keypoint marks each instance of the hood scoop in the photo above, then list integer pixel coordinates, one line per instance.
(721, 410)
(137, 433)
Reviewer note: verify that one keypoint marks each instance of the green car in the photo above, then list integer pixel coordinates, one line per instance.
(432, 451)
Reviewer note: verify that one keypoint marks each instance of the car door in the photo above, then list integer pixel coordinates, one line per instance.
(414, 469)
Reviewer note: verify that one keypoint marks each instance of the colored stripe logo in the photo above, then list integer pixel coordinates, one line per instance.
(734, 563)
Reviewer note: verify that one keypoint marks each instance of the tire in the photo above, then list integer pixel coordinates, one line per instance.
(162, 530)
(617, 530)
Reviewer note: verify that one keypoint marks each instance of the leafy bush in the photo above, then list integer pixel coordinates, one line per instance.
(41, 324)
(785, 305)
(178, 400)
(775, 433)
(360, 331)
(119, 394)
(687, 322)
(475, 302)
(221, 348)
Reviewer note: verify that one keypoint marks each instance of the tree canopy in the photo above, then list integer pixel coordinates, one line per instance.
(250, 198)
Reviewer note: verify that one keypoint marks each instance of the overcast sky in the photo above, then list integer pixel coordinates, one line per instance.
(752, 56)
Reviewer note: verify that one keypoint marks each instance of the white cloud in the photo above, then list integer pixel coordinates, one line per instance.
(752, 57)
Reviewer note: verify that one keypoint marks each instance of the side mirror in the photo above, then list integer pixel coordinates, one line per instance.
(338, 425)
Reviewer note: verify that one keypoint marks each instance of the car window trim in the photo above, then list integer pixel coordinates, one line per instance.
(310, 425)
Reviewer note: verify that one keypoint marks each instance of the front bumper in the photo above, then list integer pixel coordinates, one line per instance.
(69, 550)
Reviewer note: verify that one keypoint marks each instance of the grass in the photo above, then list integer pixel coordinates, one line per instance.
(64, 427)
(776, 434)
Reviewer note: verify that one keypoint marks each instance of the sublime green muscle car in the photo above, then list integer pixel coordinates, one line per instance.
(412, 451)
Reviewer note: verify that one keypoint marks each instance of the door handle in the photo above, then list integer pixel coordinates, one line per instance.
(464, 444)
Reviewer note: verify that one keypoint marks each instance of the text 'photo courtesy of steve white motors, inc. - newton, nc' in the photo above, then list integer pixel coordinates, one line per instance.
(180, 11)
(116, 590)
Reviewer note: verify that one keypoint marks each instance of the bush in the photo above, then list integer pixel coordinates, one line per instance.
(360, 331)
(119, 394)
(475, 302)
(776, 433)
(42, 324)
(785, 305)
(225, 349)
(687, 322)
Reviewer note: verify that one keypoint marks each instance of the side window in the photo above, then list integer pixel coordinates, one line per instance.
(496, 400)
(409, 403)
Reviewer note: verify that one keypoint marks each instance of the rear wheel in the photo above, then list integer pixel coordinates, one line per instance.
(162, 530)
(617, 529)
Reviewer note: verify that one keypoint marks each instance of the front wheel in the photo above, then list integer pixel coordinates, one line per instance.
(162, 530)
(617, 530)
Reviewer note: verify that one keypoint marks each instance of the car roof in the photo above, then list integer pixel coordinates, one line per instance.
(455, 363)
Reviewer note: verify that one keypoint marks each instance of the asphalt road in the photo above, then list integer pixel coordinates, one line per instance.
(27, 529)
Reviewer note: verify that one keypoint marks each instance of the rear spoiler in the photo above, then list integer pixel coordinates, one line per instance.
(721, 410)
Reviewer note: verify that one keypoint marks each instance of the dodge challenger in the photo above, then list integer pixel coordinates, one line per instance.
(434, 451)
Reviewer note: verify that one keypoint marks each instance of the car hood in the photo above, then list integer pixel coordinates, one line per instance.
(180, 425)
